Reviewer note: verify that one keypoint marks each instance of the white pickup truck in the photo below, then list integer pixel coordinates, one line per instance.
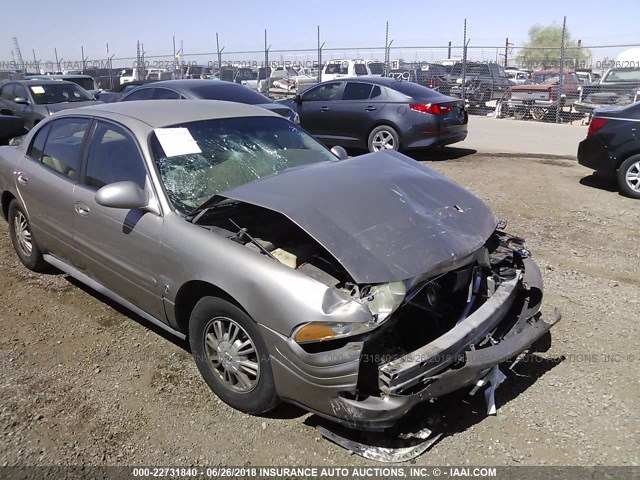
(344, 69)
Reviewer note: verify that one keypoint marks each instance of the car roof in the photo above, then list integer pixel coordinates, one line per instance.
(39, 82)
(71, 75)
(187, 85)
(162, 113)
(374, 79)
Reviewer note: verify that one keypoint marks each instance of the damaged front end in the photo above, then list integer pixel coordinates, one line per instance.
(427, 337)
(424, 292)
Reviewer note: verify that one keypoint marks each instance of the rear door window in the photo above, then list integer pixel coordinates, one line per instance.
(7, 92)
(139, 94)
(165, 94)
(356, 91)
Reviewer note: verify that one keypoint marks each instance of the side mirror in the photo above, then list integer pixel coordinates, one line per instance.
(297, 98)
(126, 195)
(21, 101)
(340, 153)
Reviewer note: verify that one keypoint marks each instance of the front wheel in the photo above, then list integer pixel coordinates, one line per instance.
(22, 239)
(383, 137)
(231, 356)
(629, 177)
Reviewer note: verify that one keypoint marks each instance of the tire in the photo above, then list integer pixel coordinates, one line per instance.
(23, 242)
(628, 176)
(538, 113)
(520, 113)
(248, 389)
(383, 137)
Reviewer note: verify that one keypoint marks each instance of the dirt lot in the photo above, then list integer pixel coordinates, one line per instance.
(83, 382)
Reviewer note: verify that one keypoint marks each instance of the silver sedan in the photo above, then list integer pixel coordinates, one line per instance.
(357, 288)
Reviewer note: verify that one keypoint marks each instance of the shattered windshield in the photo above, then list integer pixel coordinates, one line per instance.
(198, 160)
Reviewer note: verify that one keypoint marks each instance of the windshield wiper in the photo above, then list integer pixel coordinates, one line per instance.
(197, 213)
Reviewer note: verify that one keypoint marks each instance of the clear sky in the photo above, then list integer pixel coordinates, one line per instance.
(65, 25)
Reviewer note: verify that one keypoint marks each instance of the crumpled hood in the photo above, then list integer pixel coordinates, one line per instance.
(58, 107)
(383, 216)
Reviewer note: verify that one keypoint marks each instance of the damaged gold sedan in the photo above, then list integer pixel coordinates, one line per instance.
(356, 288)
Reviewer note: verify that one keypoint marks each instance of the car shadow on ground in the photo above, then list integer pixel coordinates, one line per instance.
(601, 181)
(129, 314)
(453, 413)
(282, 412)
(440, 154)
(435, 154)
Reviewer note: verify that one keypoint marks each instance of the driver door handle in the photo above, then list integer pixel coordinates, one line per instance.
(370, 108)
(324, 109)
(82, 209)
(22, 178)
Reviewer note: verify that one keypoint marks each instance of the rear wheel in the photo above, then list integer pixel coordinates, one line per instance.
(629, 177)
(539, 113)
(22, 239)
(383, 137)
(231, 356)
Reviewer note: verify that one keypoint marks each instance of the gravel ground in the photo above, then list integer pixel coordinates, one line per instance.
(82, 382)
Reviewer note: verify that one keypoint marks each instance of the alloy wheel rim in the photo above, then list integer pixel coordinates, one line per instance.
(23, 234)
(232, 354)
(383, 140)
(632, 176)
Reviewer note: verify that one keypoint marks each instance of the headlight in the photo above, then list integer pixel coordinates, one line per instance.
(382, 301)
(296, 118)
(322, 331)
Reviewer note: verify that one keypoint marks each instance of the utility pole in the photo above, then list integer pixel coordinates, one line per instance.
(175, 59)
(84, 66)
(35, 61)
(386, 49)
(561, 82)
(320, 66)
(55, 50)
(506, 51)
(449, 50)
(219, 52)
(464, 59)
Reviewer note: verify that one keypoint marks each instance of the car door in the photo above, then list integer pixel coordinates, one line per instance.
(353, 115)
(119, 248)
(46, 178)
(315, 107)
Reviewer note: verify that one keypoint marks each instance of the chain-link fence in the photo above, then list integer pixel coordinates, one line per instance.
(557, 81)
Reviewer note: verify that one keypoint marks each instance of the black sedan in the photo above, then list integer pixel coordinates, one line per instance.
(207, 90)
(613, 146)
(34, 100)
(380, 113)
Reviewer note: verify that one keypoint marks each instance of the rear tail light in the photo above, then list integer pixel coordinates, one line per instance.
(433, 109)
(596, 124)
(432, 82)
